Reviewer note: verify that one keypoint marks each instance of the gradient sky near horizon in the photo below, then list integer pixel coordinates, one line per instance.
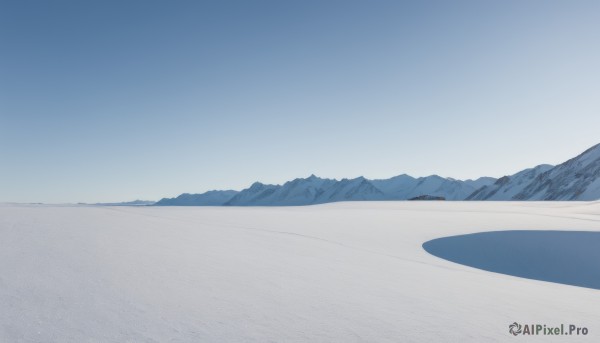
(122, 100)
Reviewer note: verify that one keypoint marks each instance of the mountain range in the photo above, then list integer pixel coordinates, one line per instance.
(126, 203)
(575, 179)
(211, 198)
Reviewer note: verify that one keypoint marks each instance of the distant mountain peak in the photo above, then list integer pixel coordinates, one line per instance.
(136, 202)
(256, 186)
(502, 181)
(575, 179)
(210, 198)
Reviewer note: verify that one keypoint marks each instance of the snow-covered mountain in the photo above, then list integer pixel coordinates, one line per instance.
(351, 190)
(575, 179)
(506, 187)
(311, 190)
(253, 195)
(404, 187)
(210, 198)
(315, 190)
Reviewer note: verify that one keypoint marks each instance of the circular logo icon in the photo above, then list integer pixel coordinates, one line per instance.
(514, 328)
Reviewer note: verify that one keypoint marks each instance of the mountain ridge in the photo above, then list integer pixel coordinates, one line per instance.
(316, 190)
(576, 179)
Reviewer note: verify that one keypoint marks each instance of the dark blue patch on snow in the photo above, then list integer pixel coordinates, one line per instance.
(567, 257)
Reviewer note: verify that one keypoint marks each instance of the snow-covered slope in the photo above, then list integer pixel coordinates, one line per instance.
(343, 272)
(480, 182)
(312, 190)
(351, 190)
(257, 194)
(406, 187)
(576, 179)
(506, 187)
(298, 191)
(210, 198)
(315, 190)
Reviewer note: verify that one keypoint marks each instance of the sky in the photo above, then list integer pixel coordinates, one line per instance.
(139, 99)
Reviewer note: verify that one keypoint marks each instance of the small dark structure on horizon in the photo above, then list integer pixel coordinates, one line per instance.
(427, 197)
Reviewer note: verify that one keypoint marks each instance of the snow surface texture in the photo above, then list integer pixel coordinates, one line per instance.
(343, 272)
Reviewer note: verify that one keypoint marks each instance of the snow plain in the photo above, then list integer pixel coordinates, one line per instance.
(339, 272)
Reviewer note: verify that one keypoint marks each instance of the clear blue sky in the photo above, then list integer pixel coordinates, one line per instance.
(118, 100)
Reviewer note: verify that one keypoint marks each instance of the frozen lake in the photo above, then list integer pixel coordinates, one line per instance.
(568, 257)
(343, 272)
